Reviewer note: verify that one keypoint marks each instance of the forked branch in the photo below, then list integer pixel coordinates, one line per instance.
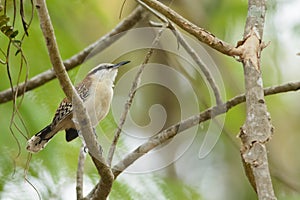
(82, 117)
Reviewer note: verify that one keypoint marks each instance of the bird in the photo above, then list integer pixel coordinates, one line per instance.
(96, 92)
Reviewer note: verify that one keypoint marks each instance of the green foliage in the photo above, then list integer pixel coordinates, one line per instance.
(153, 187)
(177, 190)
(124, 191)
(7, 29)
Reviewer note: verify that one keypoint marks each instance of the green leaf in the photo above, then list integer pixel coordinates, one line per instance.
(14, 34)
(4, 29)
(9, 32)
(3, 20)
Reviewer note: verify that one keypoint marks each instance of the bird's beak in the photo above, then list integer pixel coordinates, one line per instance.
(119, 64)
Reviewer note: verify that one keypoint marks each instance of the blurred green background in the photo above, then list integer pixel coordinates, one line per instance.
(219, 174)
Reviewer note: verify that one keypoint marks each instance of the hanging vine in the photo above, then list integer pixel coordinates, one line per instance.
(11, 41)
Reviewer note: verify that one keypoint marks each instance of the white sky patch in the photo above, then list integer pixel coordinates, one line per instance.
(286, 18)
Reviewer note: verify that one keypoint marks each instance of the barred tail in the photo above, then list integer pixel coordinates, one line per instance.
(39, 140)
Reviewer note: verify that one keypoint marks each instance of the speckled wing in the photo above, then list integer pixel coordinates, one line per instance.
(65, 107)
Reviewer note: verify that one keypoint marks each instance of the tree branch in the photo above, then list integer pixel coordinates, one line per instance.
(257, 129)
(189, 50)
(201, 34)
(77, 59)
(107, 178)
(79, 174)
(209, 113)
(53, 50)
(169, 133)
(199, 62)
(80, 114)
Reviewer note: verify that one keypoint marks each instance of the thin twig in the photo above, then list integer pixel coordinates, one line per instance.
(79, 174)
(190, 51)
(199, 62)
(135, 85)
(201, 34)
(82, 117)
(98, 46)
(209, 113)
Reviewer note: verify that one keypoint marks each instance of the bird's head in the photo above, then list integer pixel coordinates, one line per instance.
(106, 71)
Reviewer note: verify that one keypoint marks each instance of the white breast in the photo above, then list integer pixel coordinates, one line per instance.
(98, 102)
